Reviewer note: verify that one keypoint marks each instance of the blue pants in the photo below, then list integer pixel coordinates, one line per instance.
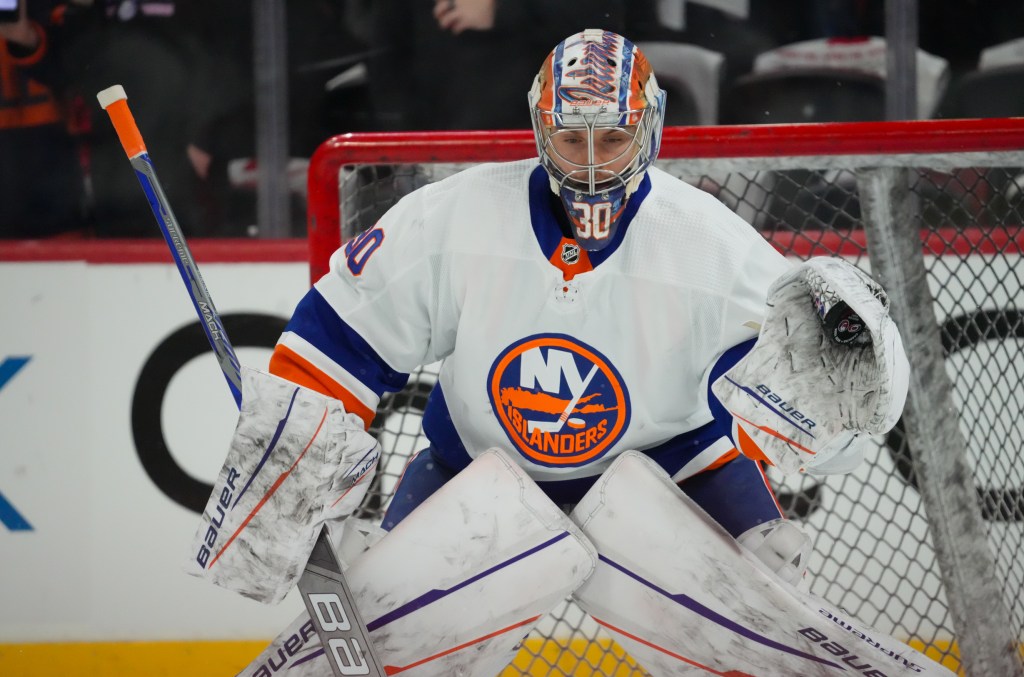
(736, 495)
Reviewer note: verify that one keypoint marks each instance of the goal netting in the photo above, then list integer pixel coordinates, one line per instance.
(925, 540)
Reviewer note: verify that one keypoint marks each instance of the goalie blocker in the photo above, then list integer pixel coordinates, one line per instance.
(815, 382)
(296, 460)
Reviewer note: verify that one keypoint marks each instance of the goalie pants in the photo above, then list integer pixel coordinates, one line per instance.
(736, 494)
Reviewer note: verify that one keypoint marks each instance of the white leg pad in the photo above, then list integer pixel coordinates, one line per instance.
(459, 582)
(682, 597)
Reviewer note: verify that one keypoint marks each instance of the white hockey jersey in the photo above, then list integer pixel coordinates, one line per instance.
(564, 357)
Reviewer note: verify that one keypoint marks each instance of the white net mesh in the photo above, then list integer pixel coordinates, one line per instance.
(873, 540)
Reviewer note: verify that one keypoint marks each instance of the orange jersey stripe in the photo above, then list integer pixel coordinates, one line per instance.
(749, 447)
(722, 460)
(289, 365)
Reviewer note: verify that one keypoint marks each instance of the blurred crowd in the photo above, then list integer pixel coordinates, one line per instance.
(385, 65)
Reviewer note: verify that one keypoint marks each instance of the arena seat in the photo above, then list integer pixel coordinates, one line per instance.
(691, 77)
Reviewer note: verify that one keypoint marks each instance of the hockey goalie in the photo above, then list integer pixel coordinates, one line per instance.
(622, 357)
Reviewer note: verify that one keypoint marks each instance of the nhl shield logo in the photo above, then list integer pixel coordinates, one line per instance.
(570, 253)
(560, 402)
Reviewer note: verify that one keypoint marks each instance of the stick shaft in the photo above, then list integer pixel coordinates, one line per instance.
(190, 275)
(316, 582)
(115, 102)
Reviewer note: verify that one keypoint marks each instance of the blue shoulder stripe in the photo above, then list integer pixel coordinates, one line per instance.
(727, 361)
(315, 320)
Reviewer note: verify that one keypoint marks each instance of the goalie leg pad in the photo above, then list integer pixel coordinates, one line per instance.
(454, 587)
(681, 596)
(296, 459)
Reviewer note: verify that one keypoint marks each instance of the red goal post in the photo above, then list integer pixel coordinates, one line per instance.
(926, 540)
(853, 139)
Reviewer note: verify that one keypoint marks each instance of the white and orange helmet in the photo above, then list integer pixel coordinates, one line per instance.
(596, 80)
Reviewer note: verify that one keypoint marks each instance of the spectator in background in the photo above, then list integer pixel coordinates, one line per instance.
(149, 46)
(447, 64)
(323, 41)
(41, 186)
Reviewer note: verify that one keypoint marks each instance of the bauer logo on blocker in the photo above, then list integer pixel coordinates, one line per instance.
(559, 401)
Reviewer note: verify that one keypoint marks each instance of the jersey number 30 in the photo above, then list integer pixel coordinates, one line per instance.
(360, 248)
(595, 219)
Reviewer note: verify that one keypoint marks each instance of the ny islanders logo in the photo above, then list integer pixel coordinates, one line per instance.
(560, 402)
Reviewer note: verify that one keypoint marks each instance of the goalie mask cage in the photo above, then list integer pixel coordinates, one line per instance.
(925, 541)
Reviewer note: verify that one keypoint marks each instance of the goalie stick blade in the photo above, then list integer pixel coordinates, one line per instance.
(333, 612)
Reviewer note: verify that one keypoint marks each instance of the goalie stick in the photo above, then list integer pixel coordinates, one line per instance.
(324, 591)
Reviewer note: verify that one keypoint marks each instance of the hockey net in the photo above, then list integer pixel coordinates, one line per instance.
(880, 550)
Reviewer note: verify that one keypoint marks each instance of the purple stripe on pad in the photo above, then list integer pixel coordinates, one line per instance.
(308, 657)
(435, 595)
(717, 618)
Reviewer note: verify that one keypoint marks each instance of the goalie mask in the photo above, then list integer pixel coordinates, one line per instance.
(597, 117)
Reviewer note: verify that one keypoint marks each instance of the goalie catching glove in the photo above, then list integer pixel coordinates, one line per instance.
(296, 460)
(815, 381)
